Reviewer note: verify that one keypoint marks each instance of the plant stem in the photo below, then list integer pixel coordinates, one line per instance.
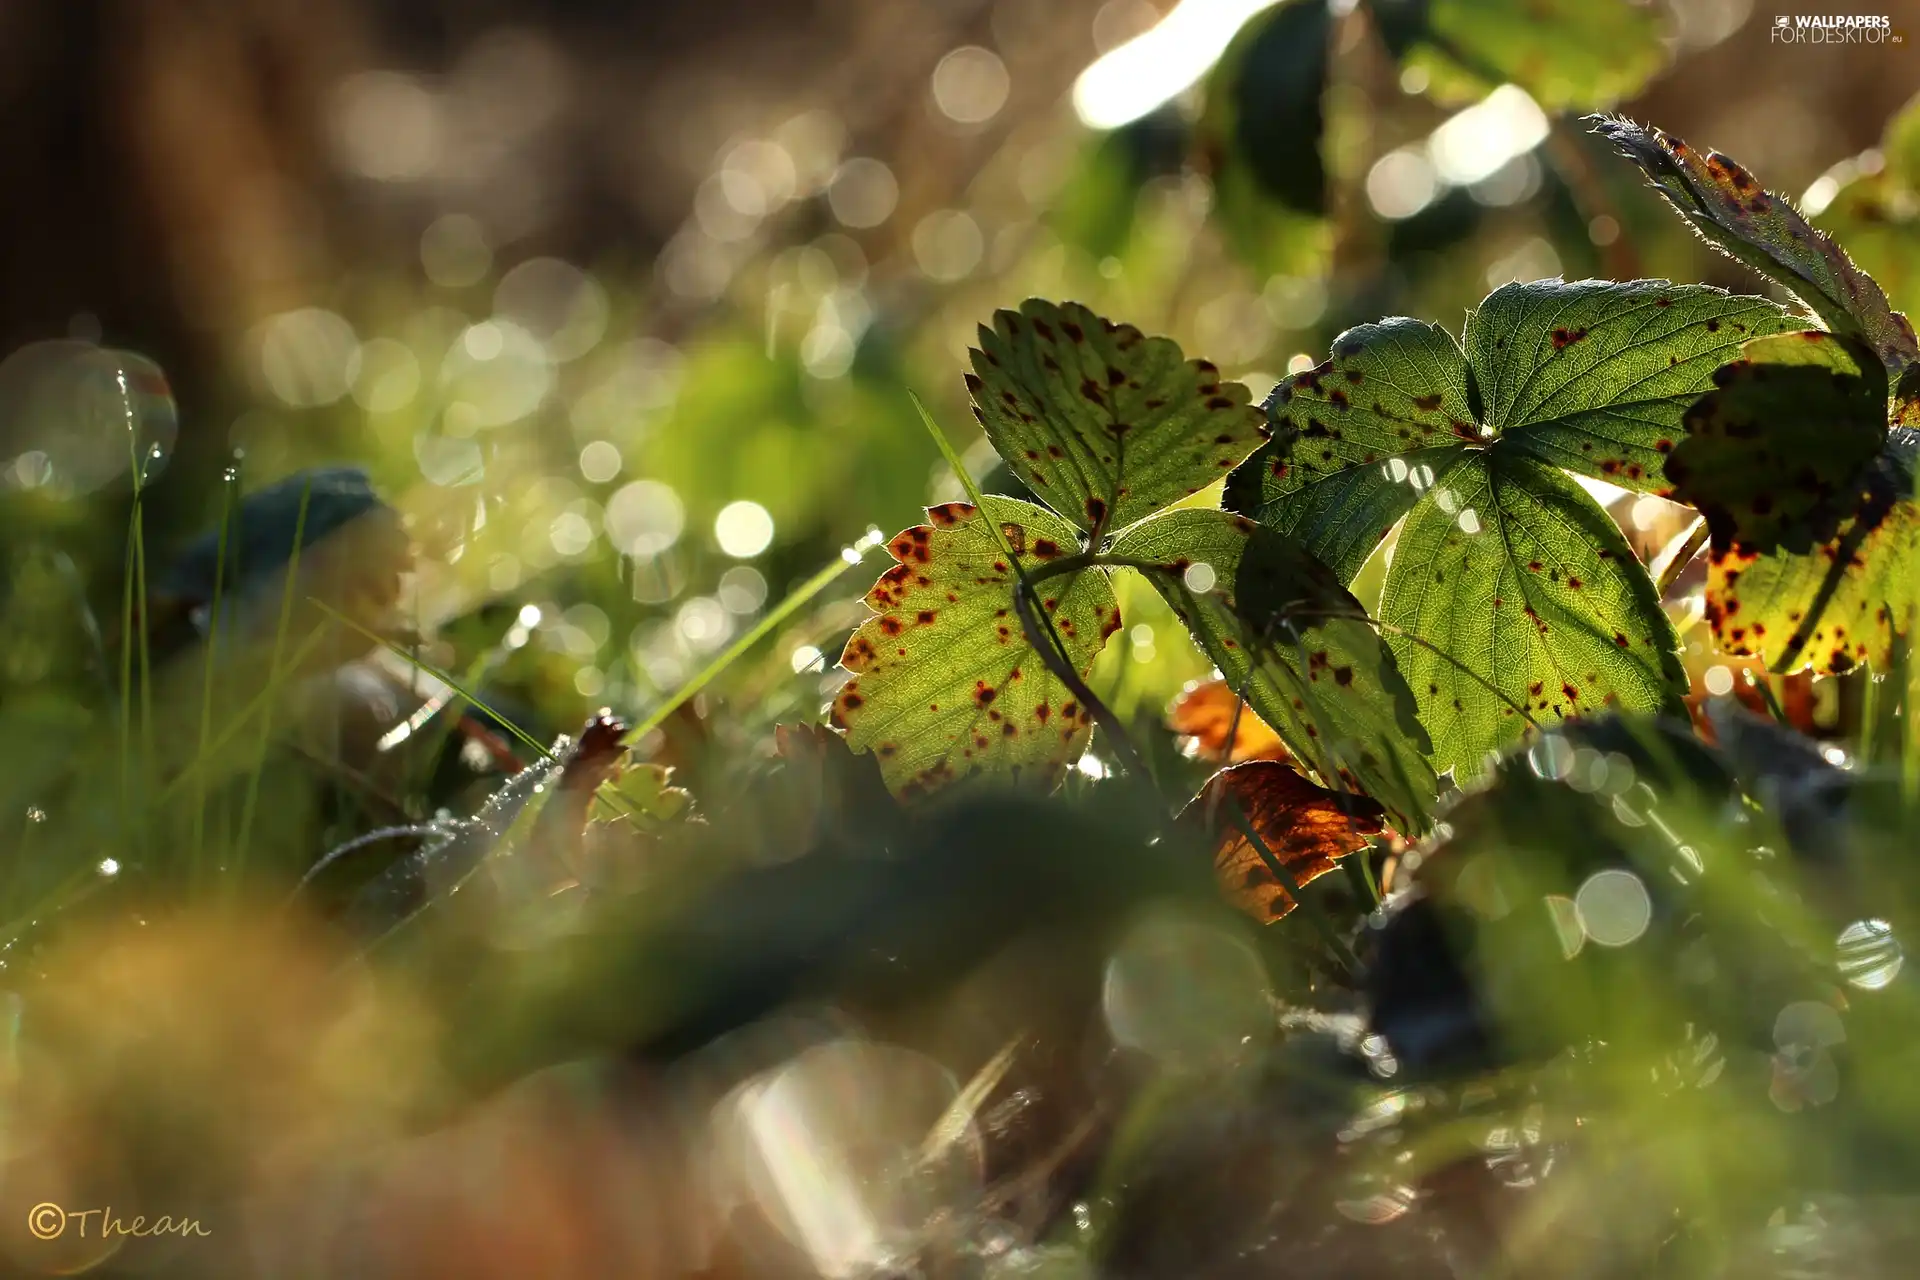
(1041, 637)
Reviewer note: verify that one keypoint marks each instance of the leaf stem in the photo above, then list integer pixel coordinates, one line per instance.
(1674, 560)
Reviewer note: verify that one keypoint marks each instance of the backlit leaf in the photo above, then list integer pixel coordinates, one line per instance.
(1774, 455)
(1259, 603)
(944, 681)
(1305, 827)
(642, 796)
(1221, 726)
(1808, 500)
(1513, 572)
(1565, 53)
(1596, 376)
(1592, 376)
(1358, 439)
(1724, 203)
(1104, 424)
(1505, 567)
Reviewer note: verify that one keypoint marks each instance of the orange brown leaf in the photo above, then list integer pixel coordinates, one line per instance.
(1306, 827)
(1209, 711)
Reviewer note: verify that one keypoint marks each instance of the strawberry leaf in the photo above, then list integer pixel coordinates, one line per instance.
(945, 683)
(1358, 439)
(1104, 424)
(1307, 828)
(1468, 444)
(1593, 376)
(1515, 575)
(1808, 502)
(1729, 209)
(1596, 377)
(1279, 625)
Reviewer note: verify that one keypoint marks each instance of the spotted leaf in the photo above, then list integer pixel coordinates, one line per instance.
(1467, 443)
(1307, 829)
(1512, 589)
(944, 683)
(1280, 626)
(1220, 726)
(1808, 501)
(1104, 424)
(1775, 454)
(1564, 53)
(1729, 208)
(1358, 438)
(1596, 376)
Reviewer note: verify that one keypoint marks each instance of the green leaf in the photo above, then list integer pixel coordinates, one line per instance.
(944, 681)
(1393, 391)
(1592, 376)
(1808, 501)
(1513, 572)
(1105, 425)
(1596, 376)
(640, 795)
(1724, 203)
(1260, 138)
(1564, 53)
(1279, 625)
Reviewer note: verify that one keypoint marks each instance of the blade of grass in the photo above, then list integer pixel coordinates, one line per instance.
(795, 601)
(407, 655)
(250, 805)
(126, 691)
(224, 739)
(206, 684)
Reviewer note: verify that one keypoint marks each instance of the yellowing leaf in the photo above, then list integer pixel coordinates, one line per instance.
(1808, 499)
(945, 683)
(1222, 726)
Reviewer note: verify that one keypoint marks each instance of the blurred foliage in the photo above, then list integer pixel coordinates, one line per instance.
(324, 921)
